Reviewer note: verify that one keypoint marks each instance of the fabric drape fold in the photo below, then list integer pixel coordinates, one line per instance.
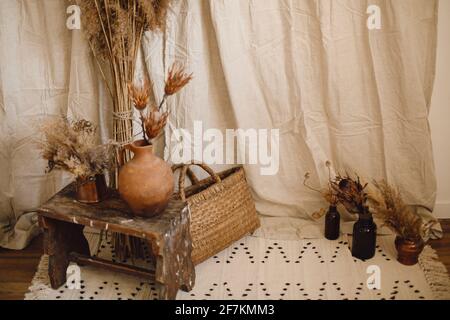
(336, 90)
(46, 71)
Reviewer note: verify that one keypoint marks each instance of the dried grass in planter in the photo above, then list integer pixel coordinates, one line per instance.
(222, 209)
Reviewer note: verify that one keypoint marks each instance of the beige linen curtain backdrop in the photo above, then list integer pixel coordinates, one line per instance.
(310, 68)
(45, 70)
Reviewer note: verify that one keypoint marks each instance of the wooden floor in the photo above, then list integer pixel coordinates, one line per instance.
(17, 268)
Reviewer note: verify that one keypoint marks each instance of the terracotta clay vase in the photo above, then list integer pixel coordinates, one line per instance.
(408, 251)
(92, 190)
(146, 182)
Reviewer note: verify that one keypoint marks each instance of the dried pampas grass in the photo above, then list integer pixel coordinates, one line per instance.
(111, 25)
(388, 205)
(72, 146)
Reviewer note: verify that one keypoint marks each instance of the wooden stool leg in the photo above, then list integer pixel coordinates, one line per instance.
(176, 277)
(170, 287)
(57, 266)
(187, 269)
(61, 238)
(174, 267)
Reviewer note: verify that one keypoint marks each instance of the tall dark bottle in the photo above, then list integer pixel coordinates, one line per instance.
(332, 224)
(364, 237)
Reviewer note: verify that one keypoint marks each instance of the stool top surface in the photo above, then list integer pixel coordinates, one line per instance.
(112, 214)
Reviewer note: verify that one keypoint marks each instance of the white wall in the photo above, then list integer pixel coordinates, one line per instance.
(440, 113)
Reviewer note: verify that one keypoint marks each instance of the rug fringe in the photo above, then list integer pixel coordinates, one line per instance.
(39, 288)
(435, 273)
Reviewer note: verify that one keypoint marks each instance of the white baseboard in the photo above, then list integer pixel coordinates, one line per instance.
(442, 210)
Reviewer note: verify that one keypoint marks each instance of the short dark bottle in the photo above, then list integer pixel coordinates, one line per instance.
(332, 223)
(364, 237)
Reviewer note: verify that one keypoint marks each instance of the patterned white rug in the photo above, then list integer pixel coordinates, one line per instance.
(256, 268)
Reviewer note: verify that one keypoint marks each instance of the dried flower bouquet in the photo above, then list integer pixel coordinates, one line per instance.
(388, 205)
(327, 193)
(72, 146)
(346, 190)
(332, 217)
(351, 193)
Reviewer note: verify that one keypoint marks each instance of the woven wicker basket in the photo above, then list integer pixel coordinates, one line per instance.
(222, 209)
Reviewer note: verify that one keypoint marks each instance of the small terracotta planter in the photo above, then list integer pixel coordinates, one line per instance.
(92, 190)
(408, 251)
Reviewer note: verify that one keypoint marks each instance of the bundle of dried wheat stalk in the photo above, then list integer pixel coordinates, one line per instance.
(114, 30)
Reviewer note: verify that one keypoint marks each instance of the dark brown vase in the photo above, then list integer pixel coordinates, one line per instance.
(146, 183)
(332, 223)
(92, 190)
(408, 251)
(364, 237)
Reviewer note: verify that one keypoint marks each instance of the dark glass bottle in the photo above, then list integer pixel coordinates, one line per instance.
(364, 237)
(332, 224)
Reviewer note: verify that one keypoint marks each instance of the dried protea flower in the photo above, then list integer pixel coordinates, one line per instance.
(155, 122)
(351, 193)
(177, 79)
(140, 95)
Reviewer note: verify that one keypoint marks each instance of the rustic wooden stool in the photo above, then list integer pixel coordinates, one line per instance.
(63, 220)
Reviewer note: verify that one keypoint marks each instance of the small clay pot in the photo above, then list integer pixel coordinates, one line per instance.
(408, 251)
(146, 182)
(91, 190)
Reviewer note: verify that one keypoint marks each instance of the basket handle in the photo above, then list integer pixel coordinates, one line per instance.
(192, 177)
(185, 169)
